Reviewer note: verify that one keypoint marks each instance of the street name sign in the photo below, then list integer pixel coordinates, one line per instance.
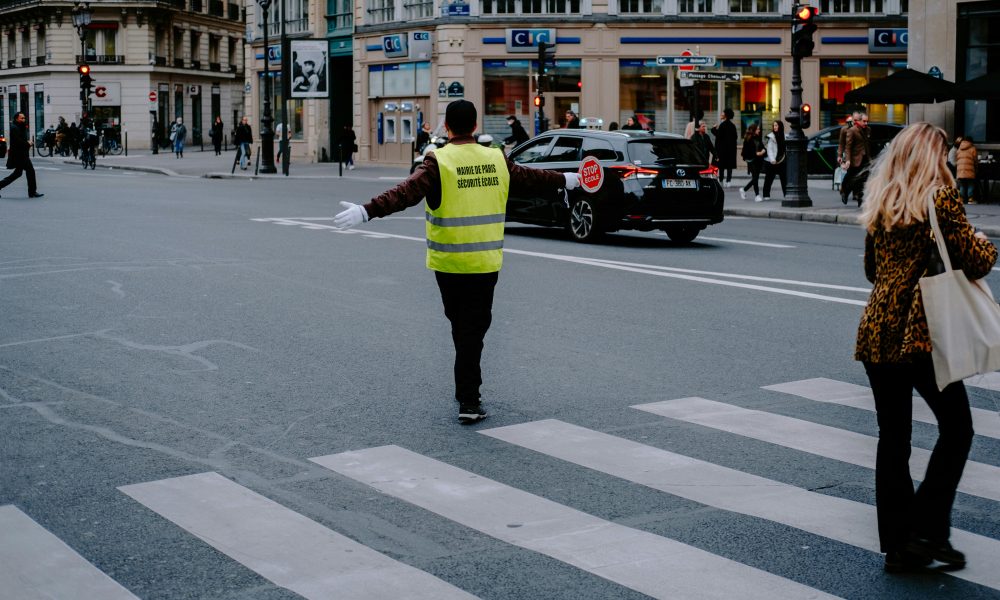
(711, 76)
(674, 61)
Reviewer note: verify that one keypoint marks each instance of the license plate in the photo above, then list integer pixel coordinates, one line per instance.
(680, 184)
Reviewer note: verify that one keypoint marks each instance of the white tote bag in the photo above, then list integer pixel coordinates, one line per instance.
(962, 317)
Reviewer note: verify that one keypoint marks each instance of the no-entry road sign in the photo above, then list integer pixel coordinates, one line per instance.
(591, 174)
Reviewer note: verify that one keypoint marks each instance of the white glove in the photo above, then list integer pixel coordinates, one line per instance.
(354, 215)
(572, 180)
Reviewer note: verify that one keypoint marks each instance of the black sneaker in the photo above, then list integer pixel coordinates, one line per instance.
(470, 413)
(901, 561)
(939, 551)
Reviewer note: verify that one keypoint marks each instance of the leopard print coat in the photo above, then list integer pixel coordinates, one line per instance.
(893, 326)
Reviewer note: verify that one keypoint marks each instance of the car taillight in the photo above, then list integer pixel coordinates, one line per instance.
(710, 173)
(626, 171)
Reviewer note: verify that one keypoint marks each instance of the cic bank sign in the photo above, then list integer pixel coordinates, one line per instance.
(526, 40)
(888, 40)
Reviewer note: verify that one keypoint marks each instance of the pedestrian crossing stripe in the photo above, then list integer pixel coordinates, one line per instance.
(721, 487)
(820, 389)
(283, 546)
(979, 479)
(653, 565)
(36, 565)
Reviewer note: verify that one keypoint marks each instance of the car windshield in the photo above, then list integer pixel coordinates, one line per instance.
(648, 152)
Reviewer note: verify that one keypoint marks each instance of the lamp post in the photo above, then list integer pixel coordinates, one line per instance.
(81, 19)
(266, 120)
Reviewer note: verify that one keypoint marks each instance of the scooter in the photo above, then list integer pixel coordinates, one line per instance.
(437, 140)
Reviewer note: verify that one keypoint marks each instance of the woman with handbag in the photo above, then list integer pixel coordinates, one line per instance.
(894, 344)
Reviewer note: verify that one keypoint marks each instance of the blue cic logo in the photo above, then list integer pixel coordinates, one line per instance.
(526, 40)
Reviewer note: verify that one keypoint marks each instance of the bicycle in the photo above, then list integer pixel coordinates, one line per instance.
(88, 151)
(110, 145)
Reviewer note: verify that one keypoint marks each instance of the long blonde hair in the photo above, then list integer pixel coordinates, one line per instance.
(910, 168)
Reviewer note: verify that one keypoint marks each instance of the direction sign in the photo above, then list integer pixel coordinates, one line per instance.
(591, 174)
(711, 76)
(673, 61)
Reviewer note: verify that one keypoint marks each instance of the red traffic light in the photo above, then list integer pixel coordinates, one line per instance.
(83, 69)
(806, 109)
(539, 101)
(805, 13)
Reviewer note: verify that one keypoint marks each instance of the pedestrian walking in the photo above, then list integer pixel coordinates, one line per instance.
(517, 133)
(243, 140)
(218, 130)
(775, 158)
(73, 139)
(966, 159)
(423, 137)
(857, 156)
(704, 144)
(692, 126)
(753, 153)
(17, 156)
(466, 187)
(178, 132)
(894, 345)
(348, 146)
(726, 137)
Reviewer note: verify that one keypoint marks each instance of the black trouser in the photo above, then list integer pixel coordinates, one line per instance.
(725, 174)
(754, 166)
(26, 168)
(926, 513)
(468, 304)
(854, 182)
(771, 171)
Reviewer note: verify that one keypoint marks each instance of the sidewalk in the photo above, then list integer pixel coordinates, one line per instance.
(826, 205)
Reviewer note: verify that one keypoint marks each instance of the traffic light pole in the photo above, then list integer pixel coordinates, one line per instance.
(542, 123)
(795, 146)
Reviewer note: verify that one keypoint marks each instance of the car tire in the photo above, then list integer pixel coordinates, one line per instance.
(682, 234)
(583, 223)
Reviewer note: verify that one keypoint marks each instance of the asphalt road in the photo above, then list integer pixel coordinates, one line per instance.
(158, 329)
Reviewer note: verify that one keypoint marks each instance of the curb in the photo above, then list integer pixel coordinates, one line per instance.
(793, 215)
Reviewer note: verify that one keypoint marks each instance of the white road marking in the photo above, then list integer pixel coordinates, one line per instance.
(835, 518)
(36, 565)
(283, 546)
(654, 270)
(748, 243)
(650, 564)
(979, 479)
(821, 389)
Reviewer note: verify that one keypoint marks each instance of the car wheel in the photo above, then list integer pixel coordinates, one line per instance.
(583, 221)
(682, 234)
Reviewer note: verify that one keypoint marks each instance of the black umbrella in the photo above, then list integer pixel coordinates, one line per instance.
(904, 87)
(986, 87)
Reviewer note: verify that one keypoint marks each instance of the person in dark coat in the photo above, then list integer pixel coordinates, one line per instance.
(218, 130)
(704, 144)
(726, 137)
(572, 121)
(17, 156)
(517, 133)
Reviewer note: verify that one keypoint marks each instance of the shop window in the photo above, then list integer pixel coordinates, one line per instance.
(694, 6)
(753, 6)
(640, 7)
(852, 7)
(837, 77)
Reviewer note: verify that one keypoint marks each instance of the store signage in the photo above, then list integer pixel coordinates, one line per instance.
(273, 53)
(421, 44)
(456, 9)
(526, 40)
(194, 90)
(107, 94)
(888, 40)
(672, 61)
(710, 76)
(395, 45)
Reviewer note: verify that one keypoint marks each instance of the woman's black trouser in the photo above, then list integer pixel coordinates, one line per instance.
(771, 171)
(468, 304)
(927, 512)
(754, 166)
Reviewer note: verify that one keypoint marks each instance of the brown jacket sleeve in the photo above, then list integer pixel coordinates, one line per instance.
(425, 182)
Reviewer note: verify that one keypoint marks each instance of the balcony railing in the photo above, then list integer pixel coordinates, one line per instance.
(195, 64)
(104, 59)
(40, 60)
(179, 63)
(25, 62)
(214, 66)
(160, 61)
(232, 68)
(11, 63)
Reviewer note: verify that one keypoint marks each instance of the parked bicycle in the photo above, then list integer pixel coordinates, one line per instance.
(110, 143)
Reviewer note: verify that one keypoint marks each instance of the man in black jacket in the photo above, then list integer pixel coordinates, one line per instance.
(17, 156)
(517, 133)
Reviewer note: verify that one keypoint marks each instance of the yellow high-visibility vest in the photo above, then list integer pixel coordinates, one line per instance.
(465, 233)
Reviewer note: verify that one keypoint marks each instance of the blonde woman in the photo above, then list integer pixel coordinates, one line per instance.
(894, 345)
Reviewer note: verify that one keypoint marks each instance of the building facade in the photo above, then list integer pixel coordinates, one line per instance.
(415, 57)
(151, 61)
